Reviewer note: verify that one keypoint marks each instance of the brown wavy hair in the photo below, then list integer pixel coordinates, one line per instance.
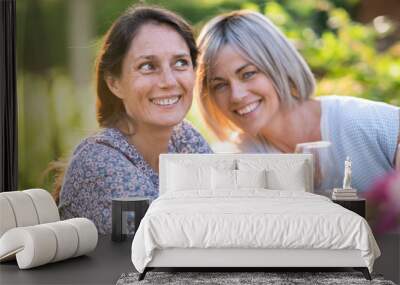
(110, 110)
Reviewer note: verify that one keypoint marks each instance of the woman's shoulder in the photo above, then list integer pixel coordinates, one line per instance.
(103, 148)
(355, 116)
(106, 141)
(187, 139)
(354, 110)
(354, 104)
(101, 158)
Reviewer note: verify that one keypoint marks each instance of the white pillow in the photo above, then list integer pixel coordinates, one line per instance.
(223, 179)
(294, 180)
(182, 177)
(251, 178)
(281, 174)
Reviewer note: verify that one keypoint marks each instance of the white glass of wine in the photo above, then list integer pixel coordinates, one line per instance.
(326, 170)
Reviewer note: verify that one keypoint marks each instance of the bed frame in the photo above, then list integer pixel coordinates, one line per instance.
(246, 259)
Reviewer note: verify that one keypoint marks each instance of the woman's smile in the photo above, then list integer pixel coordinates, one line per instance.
(248, 109)
(165, 102)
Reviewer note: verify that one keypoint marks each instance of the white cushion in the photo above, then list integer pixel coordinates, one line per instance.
(283, 164)
(223, 179)
(189, 171)
(45, 206)
(87, 235)
(282, 174)
(251, 178)
(293, 181)
(24, 211)
(66, 237)
(40, 244)
(182, 177)
(26, 208)
(34, 244)
(7, 218)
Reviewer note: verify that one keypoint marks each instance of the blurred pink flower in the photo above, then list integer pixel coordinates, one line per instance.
(384, 200)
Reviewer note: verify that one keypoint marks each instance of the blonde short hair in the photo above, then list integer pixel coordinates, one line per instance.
(260, 41)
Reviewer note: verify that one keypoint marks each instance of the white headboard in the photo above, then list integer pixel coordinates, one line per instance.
(215, 159)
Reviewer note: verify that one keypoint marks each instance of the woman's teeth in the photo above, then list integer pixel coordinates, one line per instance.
(166, 101)
(247, 109)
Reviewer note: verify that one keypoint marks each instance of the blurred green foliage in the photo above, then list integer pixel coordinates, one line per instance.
(54, 114)
(343, 54)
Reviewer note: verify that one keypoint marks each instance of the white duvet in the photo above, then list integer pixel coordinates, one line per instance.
(252, 218)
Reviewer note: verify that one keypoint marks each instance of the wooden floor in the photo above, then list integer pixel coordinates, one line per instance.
(106, 264)
(389, 262)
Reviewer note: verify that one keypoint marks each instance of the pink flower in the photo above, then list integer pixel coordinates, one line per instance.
(384, 200)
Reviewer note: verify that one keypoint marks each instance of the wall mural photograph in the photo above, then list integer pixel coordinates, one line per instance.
(200, 133)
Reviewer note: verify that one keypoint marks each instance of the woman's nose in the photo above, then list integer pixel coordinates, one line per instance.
(167, 78)
(238, 92)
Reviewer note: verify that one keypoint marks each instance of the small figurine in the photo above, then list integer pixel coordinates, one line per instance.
(347, 174)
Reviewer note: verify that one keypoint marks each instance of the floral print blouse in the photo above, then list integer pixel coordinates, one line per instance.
(106, 166)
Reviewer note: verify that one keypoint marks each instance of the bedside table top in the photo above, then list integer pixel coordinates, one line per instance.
(349, 200)
(131, 199)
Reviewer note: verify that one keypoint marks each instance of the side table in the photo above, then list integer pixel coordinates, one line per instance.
(120, 207)
(357, 205)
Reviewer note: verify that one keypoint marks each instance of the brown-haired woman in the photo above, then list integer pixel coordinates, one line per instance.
(144, 77)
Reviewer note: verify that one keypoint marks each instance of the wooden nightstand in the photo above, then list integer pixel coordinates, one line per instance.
(357, 206)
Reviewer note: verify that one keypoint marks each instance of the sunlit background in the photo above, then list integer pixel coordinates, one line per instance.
(353, 48)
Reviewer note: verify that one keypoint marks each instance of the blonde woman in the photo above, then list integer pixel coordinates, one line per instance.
(251, 80)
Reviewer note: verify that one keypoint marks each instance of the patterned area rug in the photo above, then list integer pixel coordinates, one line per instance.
(243, 278)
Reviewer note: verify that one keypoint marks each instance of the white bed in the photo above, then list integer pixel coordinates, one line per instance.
(202, 220)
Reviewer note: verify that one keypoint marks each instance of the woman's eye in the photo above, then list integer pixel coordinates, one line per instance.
(248, 74)
(219, 86)
(181, 63)
(146, 67)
